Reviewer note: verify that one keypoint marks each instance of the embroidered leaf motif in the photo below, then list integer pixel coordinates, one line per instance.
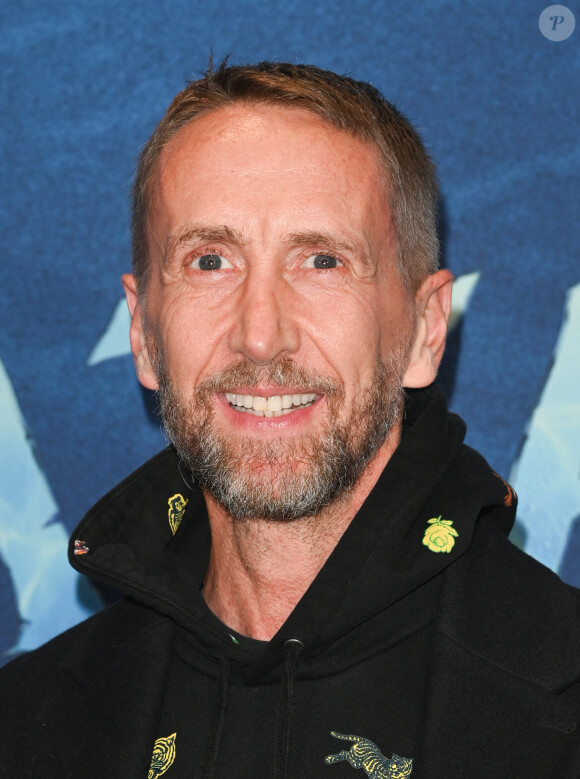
(510, 495)
(163, 756)
(177, 504)
(365, 754)
(441, 535)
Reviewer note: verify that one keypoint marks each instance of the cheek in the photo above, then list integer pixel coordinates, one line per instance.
(346, 331)
(352, 331)
(395, 314)
(190, 336)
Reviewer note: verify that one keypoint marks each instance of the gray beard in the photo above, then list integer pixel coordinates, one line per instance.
(281, 479)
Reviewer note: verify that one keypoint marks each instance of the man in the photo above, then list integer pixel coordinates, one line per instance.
(317, 572)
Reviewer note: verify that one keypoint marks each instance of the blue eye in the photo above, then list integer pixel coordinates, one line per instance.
(321, 262)
(211, 262)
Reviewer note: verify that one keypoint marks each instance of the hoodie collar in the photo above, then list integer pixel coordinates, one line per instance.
(128, 541)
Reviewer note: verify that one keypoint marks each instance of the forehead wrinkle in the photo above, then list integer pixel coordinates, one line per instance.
(203, 233)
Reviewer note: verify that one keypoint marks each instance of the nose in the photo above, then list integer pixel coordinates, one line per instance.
(264, 326)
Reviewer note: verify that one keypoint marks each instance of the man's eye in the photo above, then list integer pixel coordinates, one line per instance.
(321, 262)
(211, 262)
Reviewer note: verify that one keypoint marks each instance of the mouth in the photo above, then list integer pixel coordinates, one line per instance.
(270, 406)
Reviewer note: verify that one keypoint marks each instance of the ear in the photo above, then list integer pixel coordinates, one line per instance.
(143, 365)
(433, 306)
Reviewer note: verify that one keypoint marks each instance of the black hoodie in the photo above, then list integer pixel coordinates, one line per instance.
(427, 646)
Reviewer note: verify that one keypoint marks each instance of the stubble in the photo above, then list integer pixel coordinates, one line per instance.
(288, 477)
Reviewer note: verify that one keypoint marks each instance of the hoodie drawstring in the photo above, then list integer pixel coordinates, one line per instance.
(292, 648)
(213, 743)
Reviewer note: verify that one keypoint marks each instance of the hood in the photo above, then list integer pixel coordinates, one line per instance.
(149, 537)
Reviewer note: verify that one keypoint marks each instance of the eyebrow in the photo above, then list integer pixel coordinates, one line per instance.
(330, 241)
(203, 233)
(218, 233)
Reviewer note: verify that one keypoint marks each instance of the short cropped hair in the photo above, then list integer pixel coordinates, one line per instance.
(352, 106)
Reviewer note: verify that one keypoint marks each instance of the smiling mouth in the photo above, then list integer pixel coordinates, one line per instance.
(273, 406)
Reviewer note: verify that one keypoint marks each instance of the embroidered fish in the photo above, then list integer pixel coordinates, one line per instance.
(162, 757)
(177, 504)
(365, 754)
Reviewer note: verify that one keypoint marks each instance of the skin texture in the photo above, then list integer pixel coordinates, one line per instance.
(267, 189)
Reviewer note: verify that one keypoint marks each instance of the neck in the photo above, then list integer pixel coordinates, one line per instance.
(259, 569)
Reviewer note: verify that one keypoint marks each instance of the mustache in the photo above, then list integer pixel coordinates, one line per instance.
(281, 372)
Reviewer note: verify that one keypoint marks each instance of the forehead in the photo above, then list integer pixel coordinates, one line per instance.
(242, 123)
(269, 161)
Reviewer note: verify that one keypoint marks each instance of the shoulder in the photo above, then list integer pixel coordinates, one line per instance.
(78, 700)
(514, 612)
(82, 652)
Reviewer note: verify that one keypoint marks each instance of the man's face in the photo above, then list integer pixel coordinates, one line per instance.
(277, 325)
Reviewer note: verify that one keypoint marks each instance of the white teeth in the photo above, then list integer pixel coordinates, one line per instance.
(275, 403)
(273, 406)
(260, 404)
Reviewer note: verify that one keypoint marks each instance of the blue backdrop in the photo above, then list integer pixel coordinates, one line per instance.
(83, 85)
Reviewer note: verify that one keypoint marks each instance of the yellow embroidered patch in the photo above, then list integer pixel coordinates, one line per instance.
(440, 535)
(177, 504)
(162, 757)
(365, 754)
